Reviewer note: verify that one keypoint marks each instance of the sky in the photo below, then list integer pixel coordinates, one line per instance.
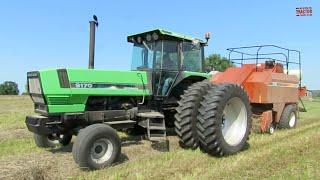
(43, 34)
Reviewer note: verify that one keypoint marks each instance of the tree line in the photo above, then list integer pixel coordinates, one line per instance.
(9, 88)
(217, 63)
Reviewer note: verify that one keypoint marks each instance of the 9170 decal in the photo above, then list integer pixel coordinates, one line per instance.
(83, 85)
(105, 85)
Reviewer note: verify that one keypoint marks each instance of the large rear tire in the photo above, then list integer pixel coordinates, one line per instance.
(97, 146)
(187, 112)
(288, 118)
(224, 120)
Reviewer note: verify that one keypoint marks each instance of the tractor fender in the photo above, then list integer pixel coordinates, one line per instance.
(182, 82)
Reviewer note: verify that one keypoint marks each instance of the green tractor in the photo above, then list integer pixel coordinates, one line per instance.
(93, 104)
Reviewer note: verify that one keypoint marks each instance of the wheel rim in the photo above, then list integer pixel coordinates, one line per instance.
(234, 121)
(292, 120)
(101, 150)
(271, 130)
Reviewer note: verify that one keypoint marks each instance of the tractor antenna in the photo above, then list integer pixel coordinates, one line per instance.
(93, 25)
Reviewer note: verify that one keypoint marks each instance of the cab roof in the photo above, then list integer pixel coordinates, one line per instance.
(162, 35)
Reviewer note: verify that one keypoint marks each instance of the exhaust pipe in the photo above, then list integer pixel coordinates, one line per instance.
(93, 25)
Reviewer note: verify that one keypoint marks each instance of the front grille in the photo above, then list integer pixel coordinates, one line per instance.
(34, 85)
(37, 98)
(41, 107)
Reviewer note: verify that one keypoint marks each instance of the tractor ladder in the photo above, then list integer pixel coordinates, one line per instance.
(155, 124)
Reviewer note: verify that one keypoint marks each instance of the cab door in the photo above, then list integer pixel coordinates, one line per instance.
(166, 67)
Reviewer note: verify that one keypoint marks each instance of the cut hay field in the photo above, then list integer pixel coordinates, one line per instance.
(287, 154)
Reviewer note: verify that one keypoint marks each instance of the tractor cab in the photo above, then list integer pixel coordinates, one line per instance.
(165, 55)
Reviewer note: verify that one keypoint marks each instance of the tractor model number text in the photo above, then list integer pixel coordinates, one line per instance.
(83, 85)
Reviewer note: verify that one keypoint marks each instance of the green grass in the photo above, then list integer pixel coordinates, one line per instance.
(287, 154)
(17, 146)
(13, 110)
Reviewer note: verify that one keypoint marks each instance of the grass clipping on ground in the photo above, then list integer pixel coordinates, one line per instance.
(286, 154)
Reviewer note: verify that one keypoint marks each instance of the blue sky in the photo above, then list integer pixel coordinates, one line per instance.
(53, 34)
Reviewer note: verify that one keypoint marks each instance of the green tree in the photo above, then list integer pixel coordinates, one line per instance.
(216, 62)
(9, 88)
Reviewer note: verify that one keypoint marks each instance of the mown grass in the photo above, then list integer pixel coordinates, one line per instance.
(13, 110)
(17, 146)
(287, 154)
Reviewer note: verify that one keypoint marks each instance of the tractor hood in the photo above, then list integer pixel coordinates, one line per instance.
(67, 90)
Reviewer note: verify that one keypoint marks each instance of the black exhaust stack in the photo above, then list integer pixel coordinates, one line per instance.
(93, 25)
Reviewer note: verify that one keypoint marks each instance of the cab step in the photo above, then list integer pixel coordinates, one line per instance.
(155, 124)
(152, 114)
(121, 124)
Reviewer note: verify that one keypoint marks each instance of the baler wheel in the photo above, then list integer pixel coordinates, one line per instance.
(224, 120)
(187, 112)
(271, 129)
(288, 118)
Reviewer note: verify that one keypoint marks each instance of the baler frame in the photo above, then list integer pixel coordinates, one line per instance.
(266, 56)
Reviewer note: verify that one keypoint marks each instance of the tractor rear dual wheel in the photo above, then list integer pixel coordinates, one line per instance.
(187, 112)
(224, 120)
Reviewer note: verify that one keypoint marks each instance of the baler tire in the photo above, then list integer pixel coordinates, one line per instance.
(97, 146)
(187, 112)
(288, 111)
(216, 120)
(43, 141)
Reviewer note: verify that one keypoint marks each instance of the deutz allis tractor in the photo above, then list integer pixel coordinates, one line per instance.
(92, 104)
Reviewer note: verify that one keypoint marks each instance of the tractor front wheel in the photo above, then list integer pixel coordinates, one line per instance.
(224, 120)
(97, 146)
